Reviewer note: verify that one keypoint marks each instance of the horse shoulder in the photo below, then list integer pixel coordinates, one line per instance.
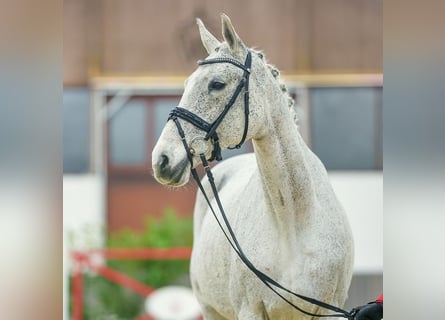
(234, 172)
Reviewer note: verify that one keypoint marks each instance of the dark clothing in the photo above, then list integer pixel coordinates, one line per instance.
(371, 311)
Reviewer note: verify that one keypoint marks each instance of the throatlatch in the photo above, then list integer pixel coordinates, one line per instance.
(210, 129)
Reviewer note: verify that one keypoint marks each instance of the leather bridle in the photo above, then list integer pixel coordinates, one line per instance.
(210, 129)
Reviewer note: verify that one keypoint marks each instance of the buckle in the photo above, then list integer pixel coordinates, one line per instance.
(199, 144)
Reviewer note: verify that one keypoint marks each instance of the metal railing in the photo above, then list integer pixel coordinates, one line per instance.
(93, 260)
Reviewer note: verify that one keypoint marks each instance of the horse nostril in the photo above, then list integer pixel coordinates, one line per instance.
(164, 162)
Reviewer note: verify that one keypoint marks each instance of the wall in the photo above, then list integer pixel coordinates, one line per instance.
(83, 210)
(149, 36)
(361, 194)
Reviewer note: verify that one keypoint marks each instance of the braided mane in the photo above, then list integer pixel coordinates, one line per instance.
(276, 74)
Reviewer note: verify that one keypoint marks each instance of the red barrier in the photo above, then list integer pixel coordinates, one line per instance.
(85, 260)
(144, 254)
(77, 292)
(123, 280)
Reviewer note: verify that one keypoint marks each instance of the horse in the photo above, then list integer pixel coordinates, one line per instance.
(278, 199)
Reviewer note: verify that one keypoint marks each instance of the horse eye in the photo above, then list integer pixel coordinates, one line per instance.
(216, 85)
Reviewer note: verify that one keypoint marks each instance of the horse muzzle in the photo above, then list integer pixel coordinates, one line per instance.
(167, 173)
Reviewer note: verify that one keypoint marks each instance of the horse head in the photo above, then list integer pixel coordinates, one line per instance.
(228, 75)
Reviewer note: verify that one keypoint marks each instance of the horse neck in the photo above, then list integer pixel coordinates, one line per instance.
(285, 164)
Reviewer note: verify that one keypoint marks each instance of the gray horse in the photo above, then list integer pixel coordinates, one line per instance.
(278, 199)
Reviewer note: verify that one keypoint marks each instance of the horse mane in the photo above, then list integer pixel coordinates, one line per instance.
(276, 74)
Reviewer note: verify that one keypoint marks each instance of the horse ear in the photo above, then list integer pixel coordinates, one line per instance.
(230, 36)
(208, 40)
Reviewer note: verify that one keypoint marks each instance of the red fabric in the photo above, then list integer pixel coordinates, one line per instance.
(380, 298)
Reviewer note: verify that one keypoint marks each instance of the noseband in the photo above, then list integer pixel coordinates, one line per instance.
(210, 128)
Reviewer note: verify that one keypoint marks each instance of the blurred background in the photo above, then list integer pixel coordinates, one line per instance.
(124, 67)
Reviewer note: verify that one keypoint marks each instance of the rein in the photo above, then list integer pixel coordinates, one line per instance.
(210, 129)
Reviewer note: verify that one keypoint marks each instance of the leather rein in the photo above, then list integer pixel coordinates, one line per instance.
(210, 129)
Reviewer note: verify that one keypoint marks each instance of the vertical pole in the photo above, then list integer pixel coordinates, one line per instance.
(97, 151)
(96, 131)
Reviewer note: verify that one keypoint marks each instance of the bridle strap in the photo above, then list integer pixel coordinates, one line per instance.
(210, 128)
(200, 123)
(188, 116)
(244, 83)
(222, 115)
(246, 102)
(245, 66)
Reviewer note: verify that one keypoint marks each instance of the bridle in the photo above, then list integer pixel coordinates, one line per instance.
(210, 129)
